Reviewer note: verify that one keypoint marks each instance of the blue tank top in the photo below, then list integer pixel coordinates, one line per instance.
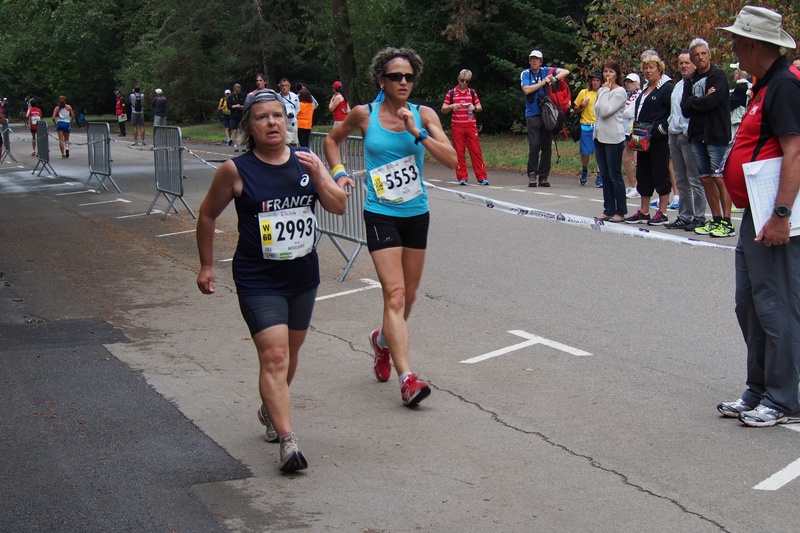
(382, 146)
(268, 188)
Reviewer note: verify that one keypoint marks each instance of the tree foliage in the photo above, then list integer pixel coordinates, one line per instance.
(623, 29)
(86, 50)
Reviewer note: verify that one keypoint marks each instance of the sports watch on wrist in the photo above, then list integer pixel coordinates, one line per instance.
(423, 134)
(782, 211)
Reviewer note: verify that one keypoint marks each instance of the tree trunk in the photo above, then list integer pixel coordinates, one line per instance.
(343, 46)
(263, 43)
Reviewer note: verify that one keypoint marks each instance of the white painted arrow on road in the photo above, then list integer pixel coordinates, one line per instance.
(532, 340)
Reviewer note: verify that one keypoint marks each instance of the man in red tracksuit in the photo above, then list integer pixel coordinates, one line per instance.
(463, 102)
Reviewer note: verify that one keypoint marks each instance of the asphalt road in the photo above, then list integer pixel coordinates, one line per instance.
(575, 373)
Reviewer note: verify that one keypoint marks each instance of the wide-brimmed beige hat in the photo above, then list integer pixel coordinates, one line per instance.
(761, 24)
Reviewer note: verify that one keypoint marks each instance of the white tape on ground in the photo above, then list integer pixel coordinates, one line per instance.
(576, 220)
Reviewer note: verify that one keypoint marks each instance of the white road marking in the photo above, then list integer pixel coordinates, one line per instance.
(517, 190)
(153, 212)
(70, 183)
(785, 476)
(76, 192)
(371, 284)
(123, 200)
(532, 340)
(183, 232)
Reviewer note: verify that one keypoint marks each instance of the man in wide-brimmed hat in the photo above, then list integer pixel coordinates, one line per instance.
(767, 258)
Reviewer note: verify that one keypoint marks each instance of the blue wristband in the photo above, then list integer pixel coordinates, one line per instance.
(339, 174)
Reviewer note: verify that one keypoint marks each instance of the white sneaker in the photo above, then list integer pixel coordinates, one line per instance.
(631, 192)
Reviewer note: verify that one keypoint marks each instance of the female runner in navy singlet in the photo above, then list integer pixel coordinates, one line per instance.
(275, 267)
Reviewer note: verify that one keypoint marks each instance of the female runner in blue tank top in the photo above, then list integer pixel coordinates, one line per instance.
(275, 267)
(396, 134)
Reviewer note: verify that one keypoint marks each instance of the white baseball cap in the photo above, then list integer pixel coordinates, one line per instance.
(536, 53)
(633, 77)
(158, 91)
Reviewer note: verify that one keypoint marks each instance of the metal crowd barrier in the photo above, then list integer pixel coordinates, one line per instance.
(350, 226)
(168, 156)
(43, 148)
(7, 144)
(98, 139)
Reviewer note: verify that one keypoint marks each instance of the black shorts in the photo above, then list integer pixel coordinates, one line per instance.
(234, 122)
(392, 232)
(264, 311)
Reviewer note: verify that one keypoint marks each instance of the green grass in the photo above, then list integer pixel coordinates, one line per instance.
(507, 151)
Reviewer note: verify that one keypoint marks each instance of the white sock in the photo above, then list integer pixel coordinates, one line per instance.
(381, 340)
(403, 377)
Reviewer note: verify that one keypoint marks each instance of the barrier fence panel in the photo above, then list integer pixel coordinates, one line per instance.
(43, 149)
(350, 225)
(98, 140)
(7, 144)
(168, 158)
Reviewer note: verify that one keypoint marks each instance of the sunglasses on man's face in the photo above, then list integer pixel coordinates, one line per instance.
(398, 76)
(462, 80)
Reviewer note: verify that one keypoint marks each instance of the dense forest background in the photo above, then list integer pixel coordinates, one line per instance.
(194, 50)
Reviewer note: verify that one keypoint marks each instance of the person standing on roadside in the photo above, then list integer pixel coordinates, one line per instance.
(705, 103)
(584, 104)
(652, 170)
(633, 87)
(236, 108)
(609, 141)
(463, 102)
(2, 127)
(292, 104)
(740, 96)
(225, 116)
(767, 259)
(534, 81)
(137, 115)
(159, 109)
(396, 136)
(338, 104)
(692, 207)
(119, 110)
(305, 117)
(276, 280)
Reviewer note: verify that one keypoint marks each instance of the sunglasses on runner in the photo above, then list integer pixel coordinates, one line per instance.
(398, 76)
(462, 80)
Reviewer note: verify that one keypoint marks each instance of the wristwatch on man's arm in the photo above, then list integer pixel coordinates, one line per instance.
(782, 211)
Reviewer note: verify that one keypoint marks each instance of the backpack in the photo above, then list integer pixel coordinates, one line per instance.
(137, 102)
(561, 95)
(552, 117)
(471, 92)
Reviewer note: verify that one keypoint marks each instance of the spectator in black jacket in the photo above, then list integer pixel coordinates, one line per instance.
(652, 106)
(706, 104)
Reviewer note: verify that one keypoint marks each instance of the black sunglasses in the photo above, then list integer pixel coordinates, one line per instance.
(462, 80)
(398, 76)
